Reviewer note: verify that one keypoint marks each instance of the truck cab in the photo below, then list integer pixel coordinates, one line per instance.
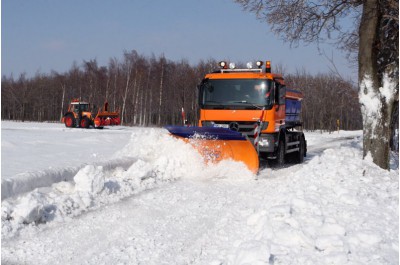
(243, 99)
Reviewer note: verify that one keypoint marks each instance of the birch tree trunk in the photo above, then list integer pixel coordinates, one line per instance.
(135, 96)
(62, 101)
(128, 77)
(150, 107)
(115, 90)
(161, 92)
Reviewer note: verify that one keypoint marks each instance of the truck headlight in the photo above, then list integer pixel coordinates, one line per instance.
(266, 142)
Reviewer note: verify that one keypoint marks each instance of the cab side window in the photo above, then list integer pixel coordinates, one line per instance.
(280, 92)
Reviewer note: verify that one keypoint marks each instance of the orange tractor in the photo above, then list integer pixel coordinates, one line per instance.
(79, 115)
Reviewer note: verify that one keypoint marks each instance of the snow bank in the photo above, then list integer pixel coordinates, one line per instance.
(150, 158)
(28, 181)
(338, 209)
(335, 208)
(90, 179)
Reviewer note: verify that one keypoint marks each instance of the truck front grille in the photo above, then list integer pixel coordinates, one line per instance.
(244, 127)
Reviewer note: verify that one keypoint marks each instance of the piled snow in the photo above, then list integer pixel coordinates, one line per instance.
(155, 157)
(172, 158)
(335, 208)
(90, 179)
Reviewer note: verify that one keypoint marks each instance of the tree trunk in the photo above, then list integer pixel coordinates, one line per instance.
(375, 107)
(135, 97)
(394, 146)
(161, 94)
(62, 101)
(115, 90)
(150, 112)
(125, 94)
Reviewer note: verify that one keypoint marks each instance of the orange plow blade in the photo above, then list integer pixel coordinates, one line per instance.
(217, 144)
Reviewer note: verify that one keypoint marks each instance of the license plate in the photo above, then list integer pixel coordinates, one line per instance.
(221, 125)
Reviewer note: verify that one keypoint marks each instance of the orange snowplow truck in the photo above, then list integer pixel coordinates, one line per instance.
(257, 104)
(79, 115)
(245, 115)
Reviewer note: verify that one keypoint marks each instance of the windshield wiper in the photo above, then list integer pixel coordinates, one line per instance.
(248, 103)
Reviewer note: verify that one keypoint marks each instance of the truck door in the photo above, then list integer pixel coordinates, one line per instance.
(280, 106)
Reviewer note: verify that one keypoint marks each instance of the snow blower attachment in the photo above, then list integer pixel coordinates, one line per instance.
(106, 118)
(216, 144)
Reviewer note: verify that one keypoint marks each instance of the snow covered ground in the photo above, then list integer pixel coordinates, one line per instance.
(137, 196)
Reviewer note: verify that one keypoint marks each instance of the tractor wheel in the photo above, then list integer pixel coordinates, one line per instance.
(70, 121)
(85, 122)
(280, 156)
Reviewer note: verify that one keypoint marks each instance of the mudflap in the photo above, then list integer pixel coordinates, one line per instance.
(217, 144)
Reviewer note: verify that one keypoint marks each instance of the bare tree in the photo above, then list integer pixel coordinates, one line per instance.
(162, 63)
(375, 36)
(152, 91)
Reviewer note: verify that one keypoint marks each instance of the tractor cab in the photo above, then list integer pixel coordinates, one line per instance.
(77, 106)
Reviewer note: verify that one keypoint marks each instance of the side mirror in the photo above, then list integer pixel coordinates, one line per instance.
(200, 89)
(282, 95)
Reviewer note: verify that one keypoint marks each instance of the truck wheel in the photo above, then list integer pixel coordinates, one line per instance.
(85, 123)
(280, 156)
(70, 121)
(300, 154)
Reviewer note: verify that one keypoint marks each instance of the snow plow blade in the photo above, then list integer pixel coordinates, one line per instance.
(216, 144)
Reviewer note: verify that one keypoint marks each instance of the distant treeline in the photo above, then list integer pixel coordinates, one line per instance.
(150, 91)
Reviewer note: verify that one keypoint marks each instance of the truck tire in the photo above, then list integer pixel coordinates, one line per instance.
(280, 155)
(70, 121)
(85, 122)
(300, 153)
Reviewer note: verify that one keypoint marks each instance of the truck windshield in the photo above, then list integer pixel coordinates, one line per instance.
(236, 93)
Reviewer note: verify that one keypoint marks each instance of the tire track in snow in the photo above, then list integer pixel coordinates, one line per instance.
(314, 150)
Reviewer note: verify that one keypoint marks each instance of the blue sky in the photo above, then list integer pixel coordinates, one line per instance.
(44, 35)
